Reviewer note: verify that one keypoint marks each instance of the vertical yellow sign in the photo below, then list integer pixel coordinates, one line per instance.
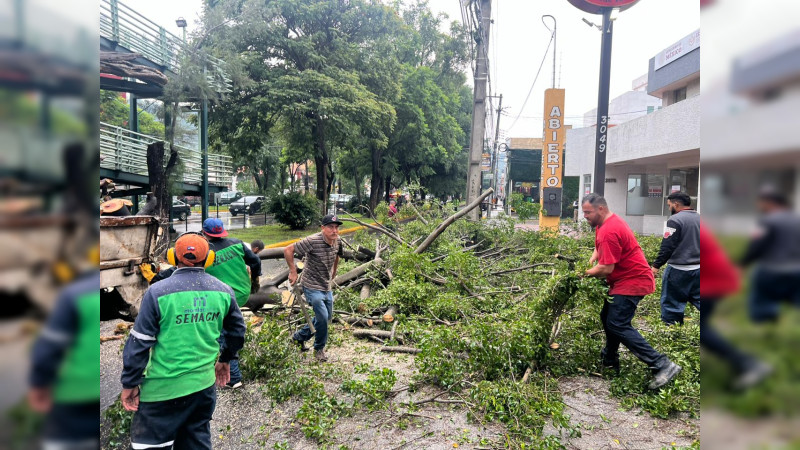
(553, 137)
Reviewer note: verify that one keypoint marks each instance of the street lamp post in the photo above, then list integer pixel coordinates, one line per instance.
(604, 7)
(181, 22)
(601, 135)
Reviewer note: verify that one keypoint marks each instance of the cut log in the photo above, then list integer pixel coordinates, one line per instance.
(355, 273)
(400, 349)
(267, 295)
(276, 280)
(271, 253)
(361, 321)
(394, 328)
(364, 291)
(355, 256)
(115, 337)
(526, 376)
(388, 316)
(447, 222)
(364, 334)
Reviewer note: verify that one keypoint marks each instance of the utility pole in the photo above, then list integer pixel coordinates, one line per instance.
(601, 143)
(494, 153)
(479, 108)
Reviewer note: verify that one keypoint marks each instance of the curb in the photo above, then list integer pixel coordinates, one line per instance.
(292, 241)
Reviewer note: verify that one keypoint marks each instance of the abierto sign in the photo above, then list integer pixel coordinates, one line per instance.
(678, 49)
(553, 138)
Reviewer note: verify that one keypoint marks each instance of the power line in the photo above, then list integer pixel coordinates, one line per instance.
(581, 116)
(552, 35)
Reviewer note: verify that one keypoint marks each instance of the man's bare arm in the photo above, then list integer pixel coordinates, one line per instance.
(288, 255)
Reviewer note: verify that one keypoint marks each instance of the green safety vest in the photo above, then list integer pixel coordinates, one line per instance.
(182, 361)
(229, 267)
(79, 377)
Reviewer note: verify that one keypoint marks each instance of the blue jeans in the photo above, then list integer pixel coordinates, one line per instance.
(677, 288)
(322, 303)
(236, 374)
(712, 341)
(616, 317)
(769, 289)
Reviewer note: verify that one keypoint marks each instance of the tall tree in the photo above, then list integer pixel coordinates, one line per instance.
(301, 58)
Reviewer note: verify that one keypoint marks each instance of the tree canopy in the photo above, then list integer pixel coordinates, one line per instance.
(377, 88)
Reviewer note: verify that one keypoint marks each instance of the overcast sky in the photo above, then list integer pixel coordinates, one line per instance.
(518, 43)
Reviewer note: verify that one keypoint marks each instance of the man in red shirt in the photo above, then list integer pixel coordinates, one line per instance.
(620, 260)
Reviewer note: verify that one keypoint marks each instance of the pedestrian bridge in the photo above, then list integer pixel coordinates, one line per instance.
(123, 158)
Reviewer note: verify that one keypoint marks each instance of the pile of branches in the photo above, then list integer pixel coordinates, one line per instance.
(491, 313)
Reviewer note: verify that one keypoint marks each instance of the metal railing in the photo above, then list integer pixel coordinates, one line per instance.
(122, 24)
(126, 151)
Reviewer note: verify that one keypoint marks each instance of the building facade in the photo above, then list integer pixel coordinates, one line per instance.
(524, 167)
(652, 155)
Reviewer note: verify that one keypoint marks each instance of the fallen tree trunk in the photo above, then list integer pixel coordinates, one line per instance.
(276, 280)
(271, 253)
(400, 349)
(447, 222)
(267, 295)
(365, 334)
(355, 273)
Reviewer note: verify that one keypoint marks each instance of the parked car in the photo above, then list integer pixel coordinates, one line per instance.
(339, 200)
(250, 204)
(228, 197)
(192, 200)
(181, 210)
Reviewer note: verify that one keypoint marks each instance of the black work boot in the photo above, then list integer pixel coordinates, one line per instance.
(300, 344)
(609, 362)
(664, 375)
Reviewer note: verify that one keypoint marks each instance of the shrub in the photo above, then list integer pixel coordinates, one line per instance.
(354, 206)
(525, 210)
(295, 210)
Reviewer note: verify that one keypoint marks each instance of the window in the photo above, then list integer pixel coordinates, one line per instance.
(587, 184)
(680, 94)
(685, 180)
(645, 194)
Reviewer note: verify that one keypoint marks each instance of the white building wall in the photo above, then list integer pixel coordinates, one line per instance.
(624, 108)
(653, 144)
(670, 130)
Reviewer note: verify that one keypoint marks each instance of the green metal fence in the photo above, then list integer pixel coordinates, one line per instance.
(126, 151)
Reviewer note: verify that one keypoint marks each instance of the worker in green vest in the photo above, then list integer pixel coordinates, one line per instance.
(65, 370)
(235, 265)
(172, 359)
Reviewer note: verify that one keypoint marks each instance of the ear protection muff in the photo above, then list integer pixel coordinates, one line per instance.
(173, 260)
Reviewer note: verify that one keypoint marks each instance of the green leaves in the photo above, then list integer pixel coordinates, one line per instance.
(295, 210)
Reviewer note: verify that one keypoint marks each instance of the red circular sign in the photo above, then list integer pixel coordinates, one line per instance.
(597, 6)
(611, 3)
